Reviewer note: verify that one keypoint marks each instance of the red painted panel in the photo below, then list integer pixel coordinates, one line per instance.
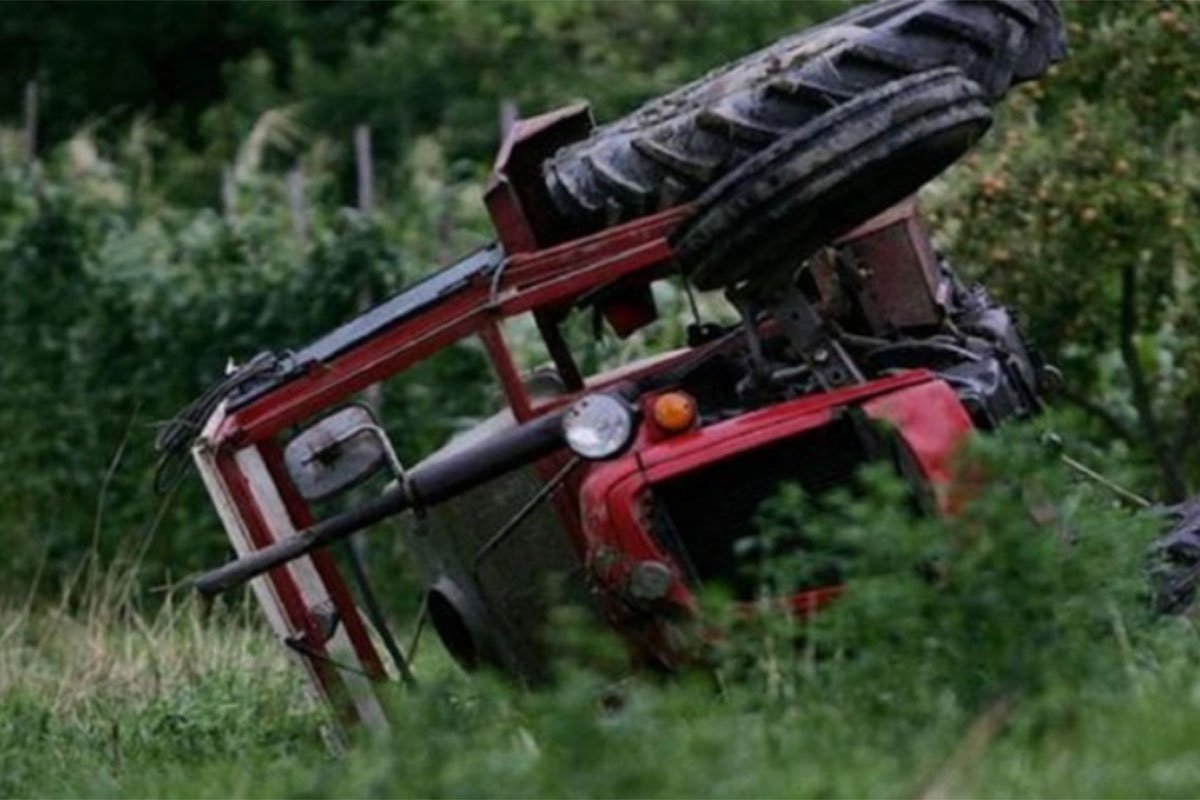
(746, 431)
(933, 423)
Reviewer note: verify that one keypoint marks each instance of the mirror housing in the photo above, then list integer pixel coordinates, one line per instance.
(338, 452)
(630, 310)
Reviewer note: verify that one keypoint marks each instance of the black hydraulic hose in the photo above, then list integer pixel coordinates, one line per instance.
(358, 571)
(427, 484)
(175, 438)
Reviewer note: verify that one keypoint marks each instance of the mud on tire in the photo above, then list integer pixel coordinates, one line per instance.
(673, 148)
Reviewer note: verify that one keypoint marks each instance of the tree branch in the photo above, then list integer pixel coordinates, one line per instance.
(1142, 398)
(1123, 429)
(1191, 418)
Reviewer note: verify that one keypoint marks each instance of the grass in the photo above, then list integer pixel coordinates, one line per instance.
(1006, 653)
(103, 700)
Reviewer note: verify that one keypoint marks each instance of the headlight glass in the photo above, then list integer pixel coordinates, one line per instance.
(598, 426)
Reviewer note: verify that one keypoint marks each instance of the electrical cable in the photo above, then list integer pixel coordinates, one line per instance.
(175, 437)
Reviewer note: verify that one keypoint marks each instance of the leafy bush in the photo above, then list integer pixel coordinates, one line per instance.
(125, 291)
(1007, 651)
(1021, 590)
(1080, 211)
(111, 320)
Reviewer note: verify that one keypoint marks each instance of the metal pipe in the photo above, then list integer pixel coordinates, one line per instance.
(427, 484)
(1114, 487)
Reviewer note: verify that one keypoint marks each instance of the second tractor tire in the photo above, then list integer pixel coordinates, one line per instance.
(673, 148)
(763, 219)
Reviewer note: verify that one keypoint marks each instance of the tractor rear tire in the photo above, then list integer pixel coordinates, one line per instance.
(673, 148)
(761, 221)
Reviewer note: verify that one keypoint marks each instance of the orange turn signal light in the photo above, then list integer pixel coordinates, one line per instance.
(674, 412)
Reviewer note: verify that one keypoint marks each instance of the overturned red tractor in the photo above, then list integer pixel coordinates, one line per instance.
(781, 186)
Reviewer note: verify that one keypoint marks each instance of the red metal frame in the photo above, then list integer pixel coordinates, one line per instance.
(302, 518)
(528, 281)
(284, 583)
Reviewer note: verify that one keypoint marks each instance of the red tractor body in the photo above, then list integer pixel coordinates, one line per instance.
(632, 535)
(626, 490)
(684, 502)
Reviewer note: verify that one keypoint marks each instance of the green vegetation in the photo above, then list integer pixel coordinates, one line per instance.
(1081, 212)
(155, 235)
(154, 239)
(122, 297)
(1008, 652)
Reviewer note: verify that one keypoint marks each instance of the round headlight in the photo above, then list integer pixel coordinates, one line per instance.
(598, 426)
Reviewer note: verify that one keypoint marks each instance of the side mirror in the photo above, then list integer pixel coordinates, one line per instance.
(338, 452)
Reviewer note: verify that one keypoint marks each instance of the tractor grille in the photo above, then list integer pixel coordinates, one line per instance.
(705, 512)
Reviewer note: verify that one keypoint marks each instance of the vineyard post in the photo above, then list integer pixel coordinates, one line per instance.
(362, 159)
(31, 118)
(366, 202)
(297, 201)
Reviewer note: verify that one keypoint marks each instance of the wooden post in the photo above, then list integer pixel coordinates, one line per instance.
(31, 119)
(228, 192)
(362, 158)
(508, 116)
(297, 201)
(373, 395)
